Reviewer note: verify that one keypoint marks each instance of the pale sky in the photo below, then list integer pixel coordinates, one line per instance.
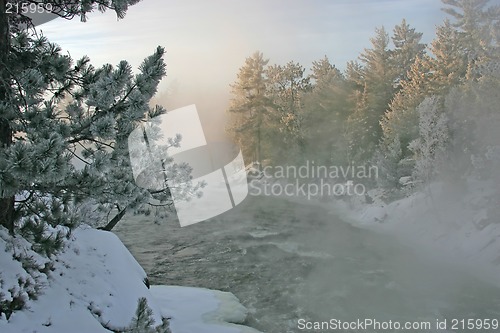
(207, 41)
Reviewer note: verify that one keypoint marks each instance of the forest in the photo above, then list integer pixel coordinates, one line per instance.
(417, 112)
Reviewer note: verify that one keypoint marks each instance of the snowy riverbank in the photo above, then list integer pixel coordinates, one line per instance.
(455, 226)
(95, 286)
(460, 228)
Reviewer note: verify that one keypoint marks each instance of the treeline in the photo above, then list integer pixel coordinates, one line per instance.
(413, 110)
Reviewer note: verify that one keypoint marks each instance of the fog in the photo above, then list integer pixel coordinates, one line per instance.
(206, 42)
(419, 258)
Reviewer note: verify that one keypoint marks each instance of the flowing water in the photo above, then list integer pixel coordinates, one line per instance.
(287, 261)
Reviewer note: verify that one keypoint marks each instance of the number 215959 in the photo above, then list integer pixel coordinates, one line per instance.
(474, 324)
(27, 8)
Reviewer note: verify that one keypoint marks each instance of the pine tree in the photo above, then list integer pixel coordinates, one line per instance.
(400, 122)
(325, 112)
(427, 76)
(143, 322)
(249, 109)
(6, 201)
(475, 20)
(55, 111)
(377, 83)
(360, 129)
(459, 52)
(448, 65)
(430, 147)
(407, 49)
(323, 72)
(391, 165)
(474, 119)
(354, 75)
(287, 87)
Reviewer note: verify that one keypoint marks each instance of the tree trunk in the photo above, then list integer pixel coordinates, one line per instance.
(6, 203)
(114, 220)
(258, 149)
(259, 137)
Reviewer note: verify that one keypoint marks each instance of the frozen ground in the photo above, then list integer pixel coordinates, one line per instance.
(458, 225)
(284, 259)
(454, 225)
(95, 287)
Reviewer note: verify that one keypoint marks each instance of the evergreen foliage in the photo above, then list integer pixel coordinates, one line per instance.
(378, 77)
(250, 108)
(431, 146)
(143, 321)
(406, 107)
(287, 87)
(66, 126)
(326, 109)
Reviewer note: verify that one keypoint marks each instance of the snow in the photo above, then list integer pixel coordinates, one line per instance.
(96, 283)
(454, 228)
(201, 310)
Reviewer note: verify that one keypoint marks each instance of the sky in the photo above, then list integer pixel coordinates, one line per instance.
(207, 41)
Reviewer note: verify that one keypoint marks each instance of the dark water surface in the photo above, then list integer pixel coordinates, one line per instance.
(286, 261)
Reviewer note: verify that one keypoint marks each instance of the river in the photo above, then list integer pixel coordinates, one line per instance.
(287, 261)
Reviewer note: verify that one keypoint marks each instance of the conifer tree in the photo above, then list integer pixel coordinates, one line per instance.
(430, 147)
(354, 75)
(459, 51)
(377, 75)
(287, 87)
(324, 72)
(325, 112)
(399, 123)
(448, 64)
(400, 126)
(250, 107)
(407, 48)
(476, 22)
(427, 76)
(55, 111)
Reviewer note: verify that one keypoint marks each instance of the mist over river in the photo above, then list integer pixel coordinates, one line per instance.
(288, 261)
